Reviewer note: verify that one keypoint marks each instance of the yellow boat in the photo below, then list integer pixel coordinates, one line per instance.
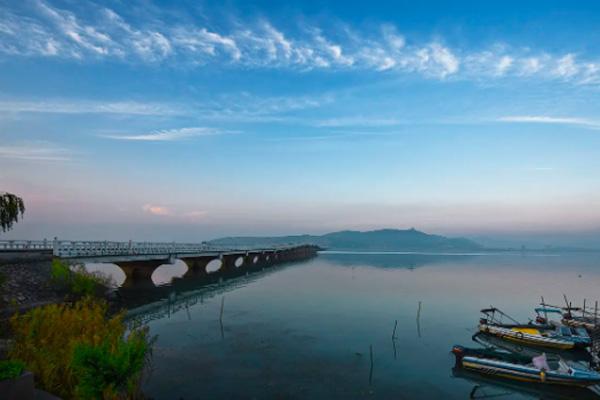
(556, 337)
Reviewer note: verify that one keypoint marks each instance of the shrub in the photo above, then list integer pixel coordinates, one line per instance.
(77, 279)
(11, 369)
(60, 273)
(103, 372)
(46, 339)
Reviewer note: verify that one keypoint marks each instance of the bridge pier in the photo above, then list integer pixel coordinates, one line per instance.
(196, 266)
(139, 273)
(252, 260)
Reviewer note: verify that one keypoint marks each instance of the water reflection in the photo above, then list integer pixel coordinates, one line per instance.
(390, 260)
(305, 330)
(495, 388)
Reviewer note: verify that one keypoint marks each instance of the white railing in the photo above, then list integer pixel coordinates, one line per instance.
(77, 248)
(71, 248)
(7, 245)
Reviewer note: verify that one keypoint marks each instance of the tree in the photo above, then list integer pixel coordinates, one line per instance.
(11, 208)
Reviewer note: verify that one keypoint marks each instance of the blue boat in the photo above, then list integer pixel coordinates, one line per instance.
(516, 367)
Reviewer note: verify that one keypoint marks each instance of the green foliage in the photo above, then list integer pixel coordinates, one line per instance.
(60, 273)
(48, 338)
(11, 207)
(103, 372)
(11, 369)
(77, 279)
(2, 280)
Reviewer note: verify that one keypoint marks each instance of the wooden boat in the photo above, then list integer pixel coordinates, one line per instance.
(490, 387)
(515, 367)
(551, 336)
(491, 341)
(570, 325)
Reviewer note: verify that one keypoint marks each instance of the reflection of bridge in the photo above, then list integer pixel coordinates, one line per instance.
(148, 304)
(138, 260)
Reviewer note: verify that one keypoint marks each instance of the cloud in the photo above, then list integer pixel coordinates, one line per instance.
(566, 66)
(89, 33)
(169, 135)
(544, 119)
(34, 151)
(238, 107)
(504, 64)
(164, 211)
(358, 121)
(89, 107)
(156, 210)
(195, 214)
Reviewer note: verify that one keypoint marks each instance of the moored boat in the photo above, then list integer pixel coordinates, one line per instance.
(484, 385)
(519, 368)
(491, 341)
(553, 336)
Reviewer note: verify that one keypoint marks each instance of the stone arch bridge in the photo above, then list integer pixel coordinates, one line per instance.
(138, 260)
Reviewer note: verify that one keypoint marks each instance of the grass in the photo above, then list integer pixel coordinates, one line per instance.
(77, 351)
(77, 280)
(11, 369)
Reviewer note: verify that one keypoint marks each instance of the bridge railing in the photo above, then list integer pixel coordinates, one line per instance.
(69, 248)
(8, 245)
(79, 248)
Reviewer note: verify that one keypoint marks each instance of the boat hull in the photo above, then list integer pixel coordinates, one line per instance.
(523, 373)
(527, 338)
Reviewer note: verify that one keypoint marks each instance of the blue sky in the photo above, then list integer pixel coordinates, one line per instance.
(190, 120)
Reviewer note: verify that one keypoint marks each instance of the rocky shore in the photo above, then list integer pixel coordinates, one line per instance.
(25, 281)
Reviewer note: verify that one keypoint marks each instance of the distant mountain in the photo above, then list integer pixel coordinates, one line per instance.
(378, 240)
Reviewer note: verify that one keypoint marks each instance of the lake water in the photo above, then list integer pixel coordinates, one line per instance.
(305, 330)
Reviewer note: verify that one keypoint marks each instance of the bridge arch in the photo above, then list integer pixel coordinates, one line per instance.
(214, 265)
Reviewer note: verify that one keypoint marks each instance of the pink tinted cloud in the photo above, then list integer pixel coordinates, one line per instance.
(156, 210)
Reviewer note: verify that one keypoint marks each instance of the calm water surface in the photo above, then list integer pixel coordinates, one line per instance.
(305, 330)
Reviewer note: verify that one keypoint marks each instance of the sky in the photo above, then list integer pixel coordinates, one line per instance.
(189, 120)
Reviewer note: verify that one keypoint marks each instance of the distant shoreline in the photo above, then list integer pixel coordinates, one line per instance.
(487, 252)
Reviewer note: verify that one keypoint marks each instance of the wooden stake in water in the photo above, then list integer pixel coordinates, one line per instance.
(394, 333)
(595, 313)
(371, 369)
(222, 306)
(583, 312)
(419, 320)
(221, 317)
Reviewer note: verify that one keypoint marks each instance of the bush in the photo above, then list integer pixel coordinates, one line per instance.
(60, 273)
(77, 279)
(103, 372)
(10, 369)
(48, 338)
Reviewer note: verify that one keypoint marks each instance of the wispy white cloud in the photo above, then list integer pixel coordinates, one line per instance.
(94, 33)
(542, 169)
(89, 107)
(164, 211)
(545, 119)
(34, 151)
(50, 31)
(238, 107)
(156, 210)
(358, 121)
(566, 66)
(169, 135)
